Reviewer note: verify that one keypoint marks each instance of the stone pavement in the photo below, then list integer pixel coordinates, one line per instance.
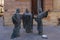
(52, 32)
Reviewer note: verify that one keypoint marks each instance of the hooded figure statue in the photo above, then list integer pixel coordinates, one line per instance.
(28, 21)
(16, 19)
(40, 16)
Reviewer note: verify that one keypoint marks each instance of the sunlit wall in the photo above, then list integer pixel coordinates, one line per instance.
(1, 6)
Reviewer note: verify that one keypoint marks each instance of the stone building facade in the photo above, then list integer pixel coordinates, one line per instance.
(52, 5)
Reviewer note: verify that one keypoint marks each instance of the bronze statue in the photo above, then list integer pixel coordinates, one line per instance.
(16, 19)
(40, 16)
(28, 21)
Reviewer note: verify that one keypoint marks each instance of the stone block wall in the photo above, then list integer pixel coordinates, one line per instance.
(48, 4)
(52, 18)
(11, 5)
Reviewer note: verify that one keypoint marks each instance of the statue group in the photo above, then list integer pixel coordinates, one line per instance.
(27, 19)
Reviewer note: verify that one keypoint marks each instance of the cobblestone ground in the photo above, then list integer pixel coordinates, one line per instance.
(53, 33)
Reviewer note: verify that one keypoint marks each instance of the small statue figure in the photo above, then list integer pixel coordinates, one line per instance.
(16, 19)
(28, 21)
(40, 16)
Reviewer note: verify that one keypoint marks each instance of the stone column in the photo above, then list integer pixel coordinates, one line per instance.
(39, 4)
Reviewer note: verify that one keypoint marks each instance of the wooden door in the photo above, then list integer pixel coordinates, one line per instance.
(34, 6)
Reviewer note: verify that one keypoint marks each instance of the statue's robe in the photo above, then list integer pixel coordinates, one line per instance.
(28, 21)
(16, 19)
(39, 18)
